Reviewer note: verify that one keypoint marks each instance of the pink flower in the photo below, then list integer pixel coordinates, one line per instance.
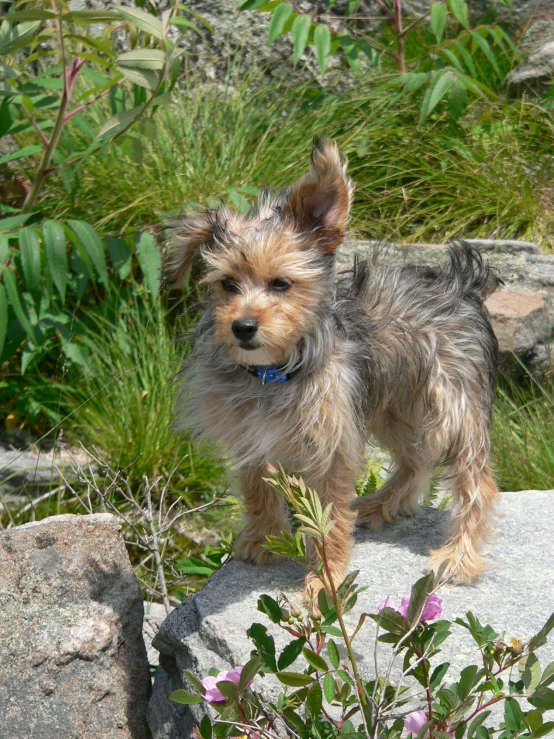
(432, 610)
(415, 721)
(387, 603)
(213, 694)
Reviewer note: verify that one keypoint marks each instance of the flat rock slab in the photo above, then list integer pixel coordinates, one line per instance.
(72, 658)
(515, 596)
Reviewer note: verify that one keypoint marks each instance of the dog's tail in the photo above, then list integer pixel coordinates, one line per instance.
(468, 274)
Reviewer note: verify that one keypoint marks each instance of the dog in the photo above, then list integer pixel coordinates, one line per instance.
(294, 362)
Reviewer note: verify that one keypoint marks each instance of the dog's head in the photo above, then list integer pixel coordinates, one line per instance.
(270, 271)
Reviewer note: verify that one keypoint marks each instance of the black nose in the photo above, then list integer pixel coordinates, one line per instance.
(245, 328)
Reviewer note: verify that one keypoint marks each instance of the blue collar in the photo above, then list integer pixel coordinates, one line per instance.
(270, 374)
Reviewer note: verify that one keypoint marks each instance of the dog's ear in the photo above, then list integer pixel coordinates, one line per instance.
(319, 202)
(179, 244)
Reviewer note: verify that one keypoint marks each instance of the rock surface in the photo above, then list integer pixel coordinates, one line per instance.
(522, 311)
(72, 657)
(515, 596)
(535, 71)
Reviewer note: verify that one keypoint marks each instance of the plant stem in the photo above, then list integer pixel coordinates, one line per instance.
(398, 32)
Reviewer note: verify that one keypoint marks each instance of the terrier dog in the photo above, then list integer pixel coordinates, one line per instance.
(295, 364)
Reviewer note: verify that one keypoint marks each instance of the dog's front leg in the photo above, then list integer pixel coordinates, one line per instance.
(265, 514)
(336, 487)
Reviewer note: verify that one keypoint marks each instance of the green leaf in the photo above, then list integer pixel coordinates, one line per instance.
(93, 246)
(476, 723)
(469, 677)
(228, 689)
(543, 698)
(459, 10)
(56, 254)
(142, 20)
(120, 254)
(29, 248)
(513, 716)
(206, 728)
(438, 674)
(300, 32)
(329, 687)
(14, 299)
(294, 679)
(150, 261)
(265, 644)
(314, 701)
(249, 672)
(120, 121)
(293, 718)
(545, 730)
(269, 606)
(420, 591)
(484, 45)
(252, 4)
(457, 99)
(290, 653)
(530, 669)
(540, 638)
(26, 151)
(350, 50)
(548, 675)
(142, 59)
(442, 86)
(315, 660)
(3, 317)
(438, 20)
(184, 23)
(185, 698)
(90, 16)
(333, 654)
(194, 681)
(145, 78)
(322, 43)
(281, 14)
(18, 36)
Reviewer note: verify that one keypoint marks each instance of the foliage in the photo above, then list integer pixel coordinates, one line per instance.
(445, 67)
(325, 696)
(33, 87)
(523, 433)
(51, 274)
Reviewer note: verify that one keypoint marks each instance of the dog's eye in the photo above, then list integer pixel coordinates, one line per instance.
(229, 285)
(279, 285)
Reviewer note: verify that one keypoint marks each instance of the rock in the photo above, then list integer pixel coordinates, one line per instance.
(515, 596)
(72, 657)
(522, 311)
(535, 72)
(154, 616)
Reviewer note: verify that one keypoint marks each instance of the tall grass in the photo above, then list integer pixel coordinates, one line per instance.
(488, 175)
(523, 434)
(124, 404)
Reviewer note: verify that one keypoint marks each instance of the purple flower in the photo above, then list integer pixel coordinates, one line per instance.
(212, 693)
(415, 721)
(432, 610)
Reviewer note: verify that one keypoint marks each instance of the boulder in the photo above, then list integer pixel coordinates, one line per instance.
(535, 72)
(515, 596)
(72, 657)
(521, 311)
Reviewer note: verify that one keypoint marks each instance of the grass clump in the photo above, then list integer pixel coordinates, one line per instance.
(523, 434)
(488, 175)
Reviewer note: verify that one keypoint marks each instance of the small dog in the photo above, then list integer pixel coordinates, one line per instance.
(295, 364)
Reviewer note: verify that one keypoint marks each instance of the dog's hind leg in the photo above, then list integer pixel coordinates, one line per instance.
(400, 494)
(265, 514)
(474, 492)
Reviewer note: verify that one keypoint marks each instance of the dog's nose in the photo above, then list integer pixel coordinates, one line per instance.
(245, 328)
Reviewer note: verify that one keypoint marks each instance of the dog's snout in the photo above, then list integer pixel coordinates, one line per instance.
(245, 328)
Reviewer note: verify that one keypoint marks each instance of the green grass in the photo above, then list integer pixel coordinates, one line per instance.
(523, 435)
(488, 175)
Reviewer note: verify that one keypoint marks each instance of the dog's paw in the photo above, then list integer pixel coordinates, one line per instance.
(462, 567)
(373, 512)
(312, 586)
(249, 548)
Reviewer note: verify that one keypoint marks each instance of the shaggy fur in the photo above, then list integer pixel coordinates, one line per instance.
(403, 355)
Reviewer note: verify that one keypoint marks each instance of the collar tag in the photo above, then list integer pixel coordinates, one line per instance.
(270, 374)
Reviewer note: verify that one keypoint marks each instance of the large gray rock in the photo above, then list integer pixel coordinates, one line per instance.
(515, 596)
(535, 72)
(521, 311)
(72, 658)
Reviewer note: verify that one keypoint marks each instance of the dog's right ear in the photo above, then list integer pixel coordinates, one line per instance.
(179, 244)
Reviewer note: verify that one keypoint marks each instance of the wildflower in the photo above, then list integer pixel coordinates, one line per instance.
(432, 610)
(415, 721)
(212, 693)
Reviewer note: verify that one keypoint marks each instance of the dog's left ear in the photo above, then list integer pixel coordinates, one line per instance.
(179, 244)
(319, 202)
